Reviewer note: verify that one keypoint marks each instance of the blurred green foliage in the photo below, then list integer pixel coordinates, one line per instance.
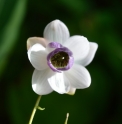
(99, 21)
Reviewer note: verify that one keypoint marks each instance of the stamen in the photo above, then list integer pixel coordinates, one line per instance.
(60, 59)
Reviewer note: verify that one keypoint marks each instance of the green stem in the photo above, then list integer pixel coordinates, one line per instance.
(34, 110)
(66, 118)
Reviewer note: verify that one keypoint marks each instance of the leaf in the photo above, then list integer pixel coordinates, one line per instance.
(10, 33)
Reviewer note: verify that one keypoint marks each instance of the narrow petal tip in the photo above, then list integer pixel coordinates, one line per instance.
(72, 91)
(33, 40)
(56, 21)
(95, 45)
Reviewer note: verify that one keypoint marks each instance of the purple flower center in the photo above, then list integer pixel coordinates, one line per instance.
(60, 59)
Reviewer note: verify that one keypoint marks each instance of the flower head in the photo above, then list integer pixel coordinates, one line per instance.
(59, 60)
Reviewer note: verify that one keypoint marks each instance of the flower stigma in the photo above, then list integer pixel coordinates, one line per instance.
(60, 59)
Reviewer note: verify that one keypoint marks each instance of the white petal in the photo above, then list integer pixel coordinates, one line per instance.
(40, 84)
(56, 31)
(79, 77)
(59, 83)
(71, 91)
(87, 60)
(38, 56)
(79, 45)
(33, 40)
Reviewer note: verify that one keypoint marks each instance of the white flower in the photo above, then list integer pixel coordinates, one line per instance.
(59, 60)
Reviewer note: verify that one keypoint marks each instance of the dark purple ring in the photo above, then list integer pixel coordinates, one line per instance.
(62, 49)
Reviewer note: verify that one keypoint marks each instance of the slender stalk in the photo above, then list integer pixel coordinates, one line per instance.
(34, 109)
(66, 118)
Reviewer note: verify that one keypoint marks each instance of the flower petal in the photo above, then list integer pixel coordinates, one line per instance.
(40, 84)
(71, 91)
(78, 76)
(38, 56)
(59, 83)
(33, 40)
(87, 60)
(79, 45)
(56, 31)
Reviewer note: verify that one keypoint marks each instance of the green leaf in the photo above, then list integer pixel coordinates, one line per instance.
(10, 33)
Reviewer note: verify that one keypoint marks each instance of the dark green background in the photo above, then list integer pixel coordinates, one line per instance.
(100, 22)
